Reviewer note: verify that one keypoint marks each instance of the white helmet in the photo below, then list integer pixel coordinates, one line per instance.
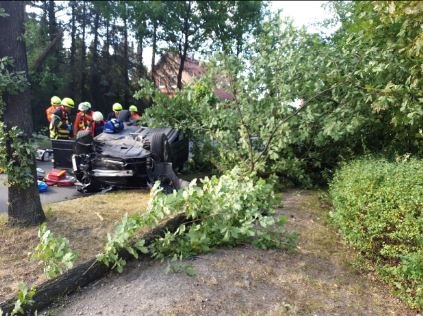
(97, 116)
(84, 106)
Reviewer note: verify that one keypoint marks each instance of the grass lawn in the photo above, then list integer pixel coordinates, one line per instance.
(84, 221)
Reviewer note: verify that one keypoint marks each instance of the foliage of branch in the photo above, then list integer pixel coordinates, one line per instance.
(362, 93)
(122, 239)
(11, 82)
(54, 252)
(17, 166)
(17, 162)
(229, 210)
(24, 299)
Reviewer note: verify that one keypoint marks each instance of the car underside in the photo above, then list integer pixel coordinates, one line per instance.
(133, 158)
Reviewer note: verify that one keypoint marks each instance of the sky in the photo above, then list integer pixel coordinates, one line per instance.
(304, 13)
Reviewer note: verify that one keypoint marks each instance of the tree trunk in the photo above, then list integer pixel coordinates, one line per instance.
(107, 42)
(184, 50)
(115, 43)
(73, 44)
(73, 35)
(44, 24)
(153, 55)
(24, 203)
(52, 24)
(38, 63)
(125, 56)
(83, 52)
(140, 63)
(140, 51)
(94, 67)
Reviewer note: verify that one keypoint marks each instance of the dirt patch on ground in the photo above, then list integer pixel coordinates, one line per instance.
(318, 279)
(84, 221)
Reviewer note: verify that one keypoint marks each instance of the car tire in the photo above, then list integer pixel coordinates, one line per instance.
(159, 147)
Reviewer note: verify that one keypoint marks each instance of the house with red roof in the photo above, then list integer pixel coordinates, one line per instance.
(166, 71)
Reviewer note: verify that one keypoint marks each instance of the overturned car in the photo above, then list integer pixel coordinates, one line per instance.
(135, 157)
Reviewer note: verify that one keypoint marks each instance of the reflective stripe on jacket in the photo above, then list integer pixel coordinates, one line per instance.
(59, 125)
(82, 121)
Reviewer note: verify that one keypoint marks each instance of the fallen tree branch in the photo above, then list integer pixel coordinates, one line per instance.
(36, 66)
(286, 119)
(85, 273)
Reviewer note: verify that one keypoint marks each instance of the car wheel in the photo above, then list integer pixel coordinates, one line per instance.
(160, 147)
(88, 185)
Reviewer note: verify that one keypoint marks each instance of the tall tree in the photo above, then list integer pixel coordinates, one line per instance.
(183, 30)
(84, 18)
(73, 41)
(52, 24)
(140, 16)
(229, 23)
(155, 11)
(24, 201)
(123, 10)
(94, 86)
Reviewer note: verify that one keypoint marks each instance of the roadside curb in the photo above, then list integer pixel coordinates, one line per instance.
(85, 273)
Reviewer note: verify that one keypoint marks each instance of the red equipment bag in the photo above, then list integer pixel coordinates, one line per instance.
(56, 174)
(58, 177)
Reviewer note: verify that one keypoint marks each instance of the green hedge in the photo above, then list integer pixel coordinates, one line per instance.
(378, 207)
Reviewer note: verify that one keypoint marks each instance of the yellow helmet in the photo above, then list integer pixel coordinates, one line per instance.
(68, 102)
(55, 101)
(133, 108)
(117, 107)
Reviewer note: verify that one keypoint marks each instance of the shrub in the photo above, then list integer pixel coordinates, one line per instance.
(379, 209)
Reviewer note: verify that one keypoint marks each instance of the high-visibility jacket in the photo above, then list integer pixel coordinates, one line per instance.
(49, 112)
(82, 121)
(135, 116)
(60, 128)
(96, 128)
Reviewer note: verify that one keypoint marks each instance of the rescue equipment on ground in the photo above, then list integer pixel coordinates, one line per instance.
(42, 186)
(60, 178)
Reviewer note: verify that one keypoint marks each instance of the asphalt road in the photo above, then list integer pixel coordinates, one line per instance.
(54, 194)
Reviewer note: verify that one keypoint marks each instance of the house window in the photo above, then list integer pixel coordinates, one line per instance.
(162, 83)
(173, 81)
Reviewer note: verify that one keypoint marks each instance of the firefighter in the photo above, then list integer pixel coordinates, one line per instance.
(134, 112)
(60, 126)
(54, 104)
(83, 118)
(117, 107)
(97, 124)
